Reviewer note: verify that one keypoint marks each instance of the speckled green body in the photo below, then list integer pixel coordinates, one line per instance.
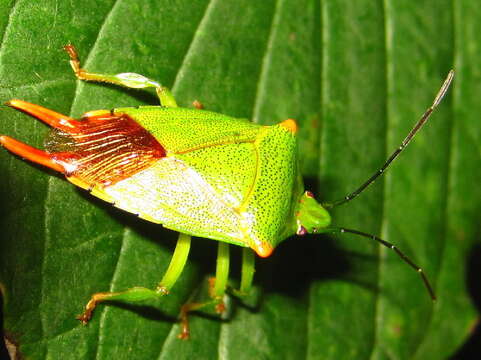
(194, 171)
(222, 178)
(197, 172)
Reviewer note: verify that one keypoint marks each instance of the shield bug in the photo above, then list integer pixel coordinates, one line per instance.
(196, 172)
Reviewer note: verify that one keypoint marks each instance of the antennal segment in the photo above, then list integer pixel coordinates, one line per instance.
(387, 244)
(401, 147)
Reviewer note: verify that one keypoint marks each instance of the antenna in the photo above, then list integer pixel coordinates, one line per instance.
(401, 147)
(393, 247)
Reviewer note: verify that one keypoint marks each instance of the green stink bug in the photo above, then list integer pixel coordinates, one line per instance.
(194, 171)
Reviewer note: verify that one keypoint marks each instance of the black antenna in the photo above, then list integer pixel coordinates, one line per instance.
(403, 145)
(407, 260)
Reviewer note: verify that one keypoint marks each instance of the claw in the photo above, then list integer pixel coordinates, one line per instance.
(52, 118)
(30, 153)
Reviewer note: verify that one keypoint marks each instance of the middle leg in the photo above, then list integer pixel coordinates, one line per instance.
(217, 288)
(139, 293)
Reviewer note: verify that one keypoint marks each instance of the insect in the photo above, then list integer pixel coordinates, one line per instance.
(196, 172)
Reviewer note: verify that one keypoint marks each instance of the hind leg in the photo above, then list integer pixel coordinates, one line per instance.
(218, 285)
(139, 293)
(217, 288)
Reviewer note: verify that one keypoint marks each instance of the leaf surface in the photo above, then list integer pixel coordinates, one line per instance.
(356, 76)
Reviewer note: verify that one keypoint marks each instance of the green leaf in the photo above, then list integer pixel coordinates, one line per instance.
(355, 74)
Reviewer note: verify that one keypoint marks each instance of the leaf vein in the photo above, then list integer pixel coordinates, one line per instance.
(106, 309)
(91, 53)
(195, 37)
(177, 79)
(378, 315)
(446, 194)
(37, 85)
(266, 63)
(74, 100)
(7, 27)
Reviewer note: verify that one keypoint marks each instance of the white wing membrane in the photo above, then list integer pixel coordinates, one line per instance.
(177, 196)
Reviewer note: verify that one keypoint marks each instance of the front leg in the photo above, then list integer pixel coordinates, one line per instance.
(130, 80)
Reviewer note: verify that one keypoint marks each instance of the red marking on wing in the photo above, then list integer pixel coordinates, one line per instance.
(106, 148)
(50, 117)
(30, 153)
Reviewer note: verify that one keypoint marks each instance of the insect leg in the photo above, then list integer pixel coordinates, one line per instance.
(217, 287)
(130, 80)
(176, 264)
(140, 293)
(247, 273)
(248, 269)
(198, 105)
